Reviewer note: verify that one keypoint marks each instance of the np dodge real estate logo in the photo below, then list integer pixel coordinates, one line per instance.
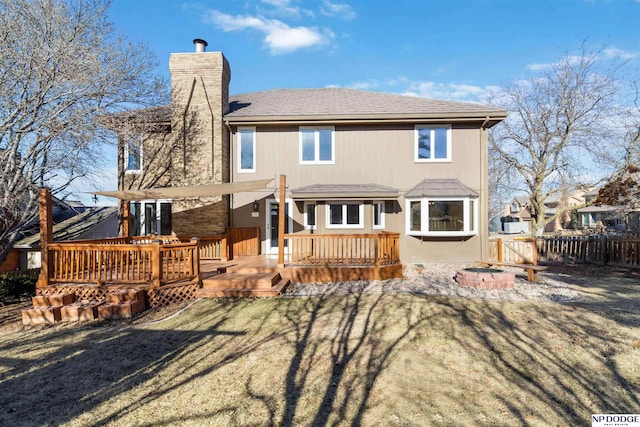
(615, 420)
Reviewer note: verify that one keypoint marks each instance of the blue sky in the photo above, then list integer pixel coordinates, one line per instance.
(451, 49)
(446, 49)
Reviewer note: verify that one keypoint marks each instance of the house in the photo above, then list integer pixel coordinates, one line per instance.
(62, 210)
(566, 203)
(355, 162)
(88, 223)
(601, 217)
(516, 217)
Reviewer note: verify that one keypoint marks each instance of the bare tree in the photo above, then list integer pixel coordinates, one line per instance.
(62, 66)
(558, 118)
(622, 191)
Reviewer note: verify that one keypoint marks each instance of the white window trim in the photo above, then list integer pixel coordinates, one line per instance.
(316, 145)
(416, 134)
(380, 226)
(126, 158)
(158, 203)
(469, 229)
(307, 226)
(344, 214)
(239, 151)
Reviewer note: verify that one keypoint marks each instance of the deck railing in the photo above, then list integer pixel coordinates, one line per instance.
(109, 262)
(342, 249)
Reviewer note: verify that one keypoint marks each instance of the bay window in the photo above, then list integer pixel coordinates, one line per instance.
(442, 216)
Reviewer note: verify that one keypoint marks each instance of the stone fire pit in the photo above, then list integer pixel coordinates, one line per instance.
(485, 278)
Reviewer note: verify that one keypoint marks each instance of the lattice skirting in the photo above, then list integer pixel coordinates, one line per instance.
(82, 292)
(173, 294)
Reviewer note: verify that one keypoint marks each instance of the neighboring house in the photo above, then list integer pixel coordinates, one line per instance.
(599, 217)
(92, 223)
(568, 203)
(354, 161)
(61, 211)
(516, 217)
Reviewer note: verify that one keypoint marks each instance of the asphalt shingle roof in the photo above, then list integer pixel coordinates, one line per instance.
(441, 188)
(319, 191)
(350, 103)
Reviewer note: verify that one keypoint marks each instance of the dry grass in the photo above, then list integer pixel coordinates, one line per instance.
(346, 360)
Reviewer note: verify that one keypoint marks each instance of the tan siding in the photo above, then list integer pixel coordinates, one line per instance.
(369, 154)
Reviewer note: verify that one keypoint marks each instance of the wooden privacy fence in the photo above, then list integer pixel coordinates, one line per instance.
(342, 249)
(153, 263)
(601, 249)
(243, 241)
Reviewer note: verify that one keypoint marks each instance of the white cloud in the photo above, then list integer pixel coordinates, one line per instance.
(613, 52)
(450, 91)
(608, 54)
(285, 8)
(427, 89)
(279, 37)
(342, 10)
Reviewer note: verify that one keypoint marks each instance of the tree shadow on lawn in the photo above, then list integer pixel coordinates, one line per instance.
(548, 362)
(59, 375)
(473, 360)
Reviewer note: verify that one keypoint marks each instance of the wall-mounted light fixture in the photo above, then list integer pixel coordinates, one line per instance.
(256, 207)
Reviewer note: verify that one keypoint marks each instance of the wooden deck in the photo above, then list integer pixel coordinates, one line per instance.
(248, 276)
(172, 269)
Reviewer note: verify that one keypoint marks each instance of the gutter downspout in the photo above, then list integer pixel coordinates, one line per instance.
(230, 130)
(484, 189)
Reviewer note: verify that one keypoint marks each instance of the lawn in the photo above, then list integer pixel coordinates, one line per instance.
(361, 359)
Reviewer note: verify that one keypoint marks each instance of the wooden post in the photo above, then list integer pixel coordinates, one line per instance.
(281, 220)
(156, 264)
(196, 258)
(499, 250)
(126, 220)
(534, 251)
(46, 237)
(225, 252)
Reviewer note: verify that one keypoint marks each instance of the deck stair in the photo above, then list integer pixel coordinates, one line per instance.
(117, 304)
(122, 304)
(243, 281)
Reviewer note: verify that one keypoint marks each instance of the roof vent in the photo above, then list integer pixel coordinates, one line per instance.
(201, 45)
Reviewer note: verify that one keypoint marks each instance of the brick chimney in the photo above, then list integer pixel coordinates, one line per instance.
(199, 98)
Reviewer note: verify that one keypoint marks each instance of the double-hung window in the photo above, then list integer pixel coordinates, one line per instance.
(246, 150)
(345, 215)
(133, 154)
(432, 143)
(442, 216)
(317, 145)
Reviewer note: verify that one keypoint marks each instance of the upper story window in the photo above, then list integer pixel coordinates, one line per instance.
(442, 217)
(317, 145)
(246, 150)
(345, 215)
(133, 154)
(433, 143)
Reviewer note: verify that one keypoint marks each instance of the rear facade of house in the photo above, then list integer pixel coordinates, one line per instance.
(355, 162)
